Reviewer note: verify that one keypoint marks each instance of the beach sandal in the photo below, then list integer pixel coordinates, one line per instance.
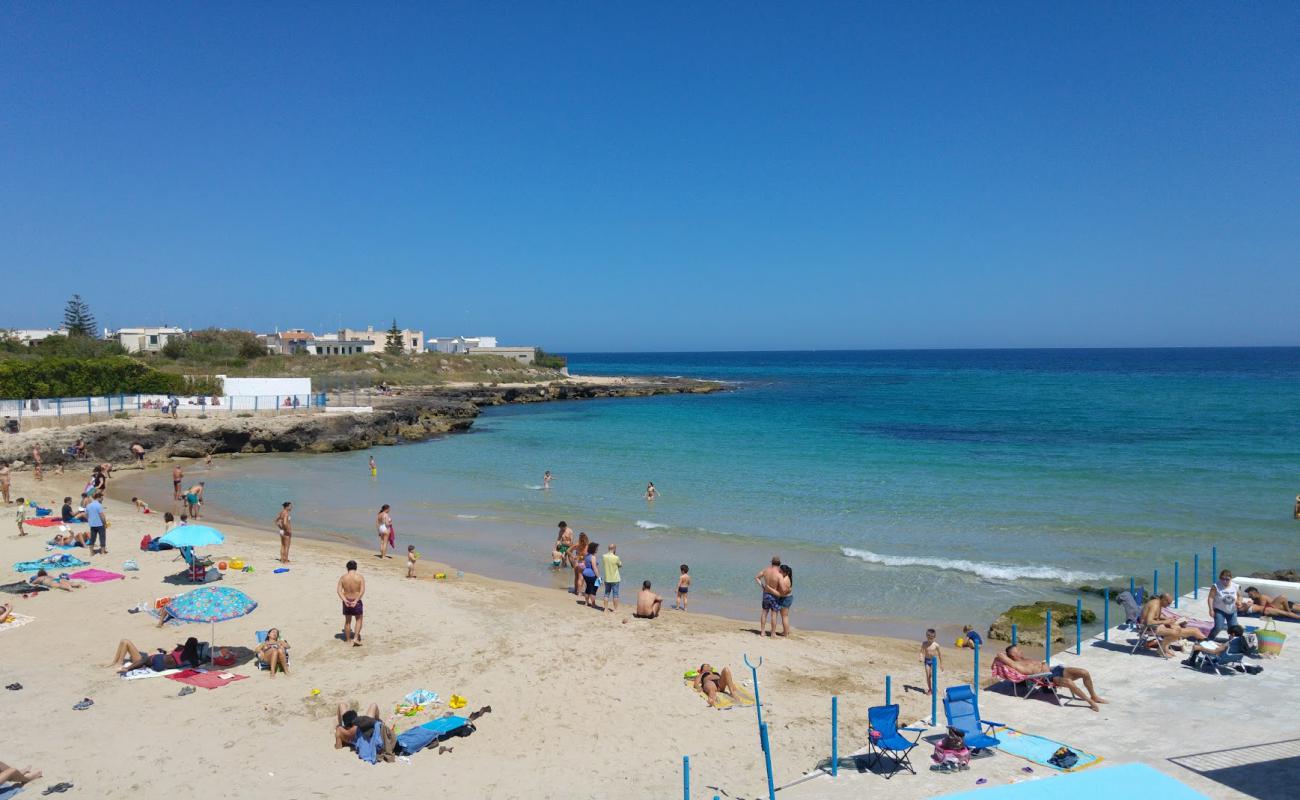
(58, 788)
(1026, 769)
(185, 691)
(13, 687)
(85, 703)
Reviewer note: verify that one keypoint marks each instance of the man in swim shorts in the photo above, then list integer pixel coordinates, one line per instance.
(648, 603)
(769, 581)
(1062, 676)
(177, 476)
(351, 589)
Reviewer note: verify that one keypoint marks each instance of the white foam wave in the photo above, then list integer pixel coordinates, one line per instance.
(649, 526)
(989, 571)
(532, 486)
(467, 516)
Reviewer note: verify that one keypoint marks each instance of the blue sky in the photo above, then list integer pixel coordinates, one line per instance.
(660, 176)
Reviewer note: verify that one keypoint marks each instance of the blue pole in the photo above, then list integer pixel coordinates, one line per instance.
(975, 671)
(686, 778)
(767, 759)
(888, 681)
(1155, 582)
(58, 404)
(1015, 638)
(1047, 640)
(1214, 563)
(1196, 575)
(1078, 625)
(90, 408)
(934, 690)
(1105, 623)
(758, 703)
(835, 736)
(1175, 584)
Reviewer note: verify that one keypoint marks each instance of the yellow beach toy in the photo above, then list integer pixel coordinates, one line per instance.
(457, 701)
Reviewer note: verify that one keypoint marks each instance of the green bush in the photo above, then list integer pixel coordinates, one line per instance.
(82, 377)
(214, 346)
(546, 360)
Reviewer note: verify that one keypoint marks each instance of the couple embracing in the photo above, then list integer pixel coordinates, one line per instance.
(777, 583)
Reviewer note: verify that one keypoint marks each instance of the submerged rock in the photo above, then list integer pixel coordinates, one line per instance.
(1031, 622)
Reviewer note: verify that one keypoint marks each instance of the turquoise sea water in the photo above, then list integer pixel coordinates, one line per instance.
(903, 486)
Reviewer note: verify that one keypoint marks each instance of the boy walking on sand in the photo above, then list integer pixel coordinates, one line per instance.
(683, 586)
(411, 557)
(611, 564)
(351, 588)
(22, 515)
(930, 650)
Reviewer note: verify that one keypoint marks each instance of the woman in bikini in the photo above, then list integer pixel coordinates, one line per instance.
(274, 652)
(42, 578)
(575, 555)
(711, 682)
(182, 655)
(384, 525)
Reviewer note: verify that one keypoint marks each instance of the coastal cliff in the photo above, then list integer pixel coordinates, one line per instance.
(414, 415)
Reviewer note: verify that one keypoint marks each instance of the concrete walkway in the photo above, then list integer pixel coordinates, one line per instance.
(1229, 736)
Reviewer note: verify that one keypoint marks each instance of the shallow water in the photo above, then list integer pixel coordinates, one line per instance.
(904, 486)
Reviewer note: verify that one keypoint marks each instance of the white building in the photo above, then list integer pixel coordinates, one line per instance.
(288, 343)
(331, 344)
(460, 344)
(524, 355)
(142, 340)
(265, 393)
(29, 335)
(412, 341)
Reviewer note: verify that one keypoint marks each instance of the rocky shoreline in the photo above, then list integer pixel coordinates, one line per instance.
(415, 415)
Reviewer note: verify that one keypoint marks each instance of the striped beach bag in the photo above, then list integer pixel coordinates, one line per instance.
(1270, 639)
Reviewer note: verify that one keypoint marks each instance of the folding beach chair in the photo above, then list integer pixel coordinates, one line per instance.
(962, 708)
(1132, 604)
(885, 738)
(261, 637)
(197, 568)
(1147, 633)
(1041, 681)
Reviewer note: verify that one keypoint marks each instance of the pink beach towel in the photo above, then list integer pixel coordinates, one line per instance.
(205, 680)
(93, 575)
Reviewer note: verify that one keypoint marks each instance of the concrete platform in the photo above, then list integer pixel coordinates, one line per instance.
(1229, 736)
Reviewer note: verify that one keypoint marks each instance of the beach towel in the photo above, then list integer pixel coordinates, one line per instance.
(725, 701)
(1039, 749)
(9, 791)
(50, 522)
(59, 561)
(15, 621)
(146, 672)
(50, 544)
(421, 736)
(96, 576)
(206, 680)
(22, 587)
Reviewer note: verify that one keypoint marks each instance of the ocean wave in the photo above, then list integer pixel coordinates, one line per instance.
(649, 526)
(1003, 572)
(467, 516)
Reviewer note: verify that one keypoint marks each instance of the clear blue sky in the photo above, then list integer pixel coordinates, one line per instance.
(660, 176)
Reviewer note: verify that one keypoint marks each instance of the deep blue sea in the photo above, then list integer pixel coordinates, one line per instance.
(904, 487)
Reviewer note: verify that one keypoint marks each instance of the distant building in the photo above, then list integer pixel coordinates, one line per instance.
(142, 340)
(332, 344)
(29, 335)
(524, 355)
(288, 343)
(412, 341)
(460, 344)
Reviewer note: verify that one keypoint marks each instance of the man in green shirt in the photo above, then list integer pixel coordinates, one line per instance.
(611, 564)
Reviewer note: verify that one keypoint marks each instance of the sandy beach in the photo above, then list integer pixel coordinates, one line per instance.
(583, 704)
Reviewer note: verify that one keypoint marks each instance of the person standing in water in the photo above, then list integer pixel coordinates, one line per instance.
(546, 480)
(650, 491)
(384, 525)
(374, 469)
(284, 525)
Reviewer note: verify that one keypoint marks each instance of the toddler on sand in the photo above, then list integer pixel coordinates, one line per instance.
(411, 557)
(683, 587)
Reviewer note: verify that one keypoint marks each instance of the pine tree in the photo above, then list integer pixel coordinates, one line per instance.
(393, 341)
(78, 319)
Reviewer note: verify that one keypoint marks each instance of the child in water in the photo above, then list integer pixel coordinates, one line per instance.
(411, 558)
(683, 586)
(930, 650)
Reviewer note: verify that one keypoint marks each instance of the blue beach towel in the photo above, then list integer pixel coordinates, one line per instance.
(368, 747)
(421, 736)
(60, 561)
(1039, 749)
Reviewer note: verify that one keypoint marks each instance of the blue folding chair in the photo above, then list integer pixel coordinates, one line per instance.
(962, 708)
(884, 737)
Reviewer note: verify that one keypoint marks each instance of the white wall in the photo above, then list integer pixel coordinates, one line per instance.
(240, 392)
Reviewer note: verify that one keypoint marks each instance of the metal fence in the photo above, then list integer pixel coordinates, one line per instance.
(53, 411)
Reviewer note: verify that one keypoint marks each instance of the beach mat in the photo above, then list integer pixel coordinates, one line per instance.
(15, 621)
(1038, 749)
(206, 680)
(22, 587)
(725, 701)
(144, 672)
(1121, 781)
(97, 575)
(44, 522)
(11, 790)
(60, 561)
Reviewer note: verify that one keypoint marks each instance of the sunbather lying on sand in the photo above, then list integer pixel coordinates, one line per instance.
(1169, 630)
(186, 655)
(71, 538)
(17, 776)
(711, 682)
(274, 652)
(350, 724)
(1275, 606)
(42, 578)
(1062, 676)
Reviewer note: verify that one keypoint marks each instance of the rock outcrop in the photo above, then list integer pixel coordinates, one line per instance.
(1031, 622)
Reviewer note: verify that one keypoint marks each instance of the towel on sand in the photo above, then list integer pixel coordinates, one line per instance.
(145, 672)
(1038, 749)
(60, 561)
(22, 587)
(206, 680)
(96, 575)
(15, 621)
(47, 522)
(725, 701)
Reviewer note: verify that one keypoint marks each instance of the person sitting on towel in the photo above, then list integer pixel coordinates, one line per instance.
(1168, 630)
(350, 724)
(1062, 676)
(1275, 606)
(68, 515)
(186, 655)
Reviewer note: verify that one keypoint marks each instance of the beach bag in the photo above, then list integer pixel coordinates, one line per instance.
(144, 543)
(1064, 758)
(1270, 639)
